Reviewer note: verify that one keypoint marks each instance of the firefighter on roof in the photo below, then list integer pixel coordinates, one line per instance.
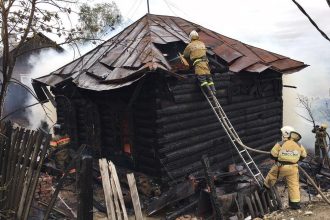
(287, 153)
(60, 146)
(196, 53)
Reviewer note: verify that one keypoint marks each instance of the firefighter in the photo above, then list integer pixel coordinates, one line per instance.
(287, 153)
(60, 146)
(321, 147)
(196, 53)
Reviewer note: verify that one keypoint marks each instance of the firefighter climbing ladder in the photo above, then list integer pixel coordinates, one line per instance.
(235, 139)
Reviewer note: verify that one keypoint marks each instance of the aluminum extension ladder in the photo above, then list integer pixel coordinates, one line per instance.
(234, 139)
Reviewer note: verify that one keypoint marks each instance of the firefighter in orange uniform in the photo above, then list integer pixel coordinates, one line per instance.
(287, 153)
(196, 53)
(60, 146)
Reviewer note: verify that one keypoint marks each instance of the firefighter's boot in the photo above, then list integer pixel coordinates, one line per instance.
(207, 90)
(212, 87)
(294, 205)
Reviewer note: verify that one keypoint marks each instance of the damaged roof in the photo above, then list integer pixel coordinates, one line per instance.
(132, 53)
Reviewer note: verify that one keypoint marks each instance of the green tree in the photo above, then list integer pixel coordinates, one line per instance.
(98, 18)
(23, 18)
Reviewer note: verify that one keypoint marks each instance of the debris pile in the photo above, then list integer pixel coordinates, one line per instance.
(44, 189)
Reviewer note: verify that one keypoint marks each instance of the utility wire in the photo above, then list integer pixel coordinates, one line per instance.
(176, 7)
(311, 20)
(169, 7)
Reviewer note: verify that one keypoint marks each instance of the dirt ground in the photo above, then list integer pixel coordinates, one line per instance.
(316, 209)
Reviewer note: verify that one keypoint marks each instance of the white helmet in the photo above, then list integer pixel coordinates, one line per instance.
(193, 35)
(286, 131)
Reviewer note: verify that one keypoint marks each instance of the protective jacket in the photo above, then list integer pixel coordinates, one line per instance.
(196, 52)
(321, 145)
(287, 153)
(60, 141)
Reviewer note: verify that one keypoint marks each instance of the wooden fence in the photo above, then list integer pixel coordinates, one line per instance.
(22, 153)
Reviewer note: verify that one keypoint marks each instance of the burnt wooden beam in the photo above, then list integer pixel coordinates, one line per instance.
(193, 106)
(209, 117)
(85, 202)
(174, 194)
(204, 108)
(213, 194)
(186, 209)
(197, 130)
(191, 164)
(194, 139)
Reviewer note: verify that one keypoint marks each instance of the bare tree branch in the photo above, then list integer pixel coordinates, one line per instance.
(311, 20)
(307, 105)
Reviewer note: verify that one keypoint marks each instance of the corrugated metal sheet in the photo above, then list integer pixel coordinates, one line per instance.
(133, 50)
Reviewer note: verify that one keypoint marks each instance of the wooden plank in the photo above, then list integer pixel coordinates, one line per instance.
(20, 158)
(115, 197)
(107, 189)
(135, 196)
(28, 179)
(113, 171)
(23, 169)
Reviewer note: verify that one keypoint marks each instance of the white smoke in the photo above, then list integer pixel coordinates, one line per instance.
(44, 63)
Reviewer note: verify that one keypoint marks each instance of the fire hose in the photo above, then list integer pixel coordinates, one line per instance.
(266, 152)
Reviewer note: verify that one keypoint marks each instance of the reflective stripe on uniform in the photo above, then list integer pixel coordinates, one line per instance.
(211, 83)
(203, 59)
(53, 143)
(204, 83)
(63, 141)
(197, 61)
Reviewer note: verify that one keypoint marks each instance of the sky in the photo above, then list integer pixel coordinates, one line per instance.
(274, 25)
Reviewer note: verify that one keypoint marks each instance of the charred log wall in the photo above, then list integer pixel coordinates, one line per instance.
(79, 115)
(145, 127)
(188, 128)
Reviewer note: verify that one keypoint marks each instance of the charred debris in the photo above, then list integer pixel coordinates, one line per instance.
(131, 101)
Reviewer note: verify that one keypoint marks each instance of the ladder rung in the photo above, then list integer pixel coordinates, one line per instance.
(242, 151)
(249, 162)
(257, 174)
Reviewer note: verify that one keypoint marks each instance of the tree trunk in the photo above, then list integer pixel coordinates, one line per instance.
(3, 93)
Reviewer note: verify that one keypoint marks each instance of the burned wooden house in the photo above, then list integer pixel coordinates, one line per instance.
(130, 99)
